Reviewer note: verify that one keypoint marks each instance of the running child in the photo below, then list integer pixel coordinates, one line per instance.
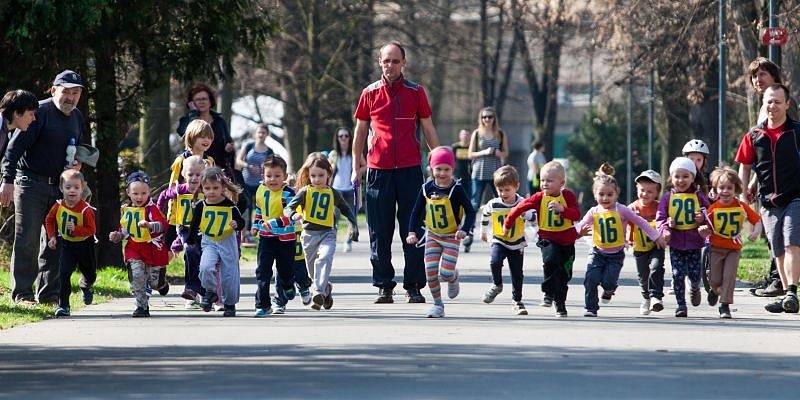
(184, 196)
(608, 221)
(726, 216)
(214, 220)
(71, 222)
(448, 214)
(509, 247)
(680, 212)
(146, 254)
(649, 257)
(301, 278)
(276, 245)
(557, 209)
(317, 202)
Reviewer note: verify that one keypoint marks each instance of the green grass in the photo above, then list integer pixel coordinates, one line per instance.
(754, 262)
(111, 282)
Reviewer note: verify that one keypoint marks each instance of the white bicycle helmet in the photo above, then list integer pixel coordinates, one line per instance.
(695, 146)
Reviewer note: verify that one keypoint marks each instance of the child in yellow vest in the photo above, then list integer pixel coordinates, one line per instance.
(608, 221)
(71, 222)
(649, 258)
(448, 214)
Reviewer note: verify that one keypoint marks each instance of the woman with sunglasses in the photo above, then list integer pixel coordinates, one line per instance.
(342, 162)
(487, 149)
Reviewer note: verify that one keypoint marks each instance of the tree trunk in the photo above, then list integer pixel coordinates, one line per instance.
(436, 85)
(226, 91)
(108, 202)
(745, 17)
(154, 133)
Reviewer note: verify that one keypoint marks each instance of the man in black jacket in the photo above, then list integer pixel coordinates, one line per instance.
(32, 165)
(772, 150)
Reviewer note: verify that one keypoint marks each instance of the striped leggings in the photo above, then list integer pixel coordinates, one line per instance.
(441, 255)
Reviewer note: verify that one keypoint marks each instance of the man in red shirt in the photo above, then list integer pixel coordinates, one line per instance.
(772, 150)
(394, 108)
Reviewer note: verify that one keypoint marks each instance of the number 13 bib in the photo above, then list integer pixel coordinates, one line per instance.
(549, 220)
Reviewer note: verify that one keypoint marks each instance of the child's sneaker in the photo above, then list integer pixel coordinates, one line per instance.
(348, 247)
(606, 296)
(327, 302)
(656, 305)
(519, 308)
(491, 293)
(712, 298)
(644, 308)
(289, 293)
(547, 301)
(317, 301)
(191, 305)
(775, 306)
(62, 312)
(218, 306)
(790, 303)
(561, 309)
(681, 312)
(453, 288)
(589, 313)
(279, 309)
(140, 312)
(164, 290)
(695, 297)
(230, 311)
(208, 301)
(725, 311)
(436, 311)
(189, 294)
(262, 312)
(305, 295)
(88, 296)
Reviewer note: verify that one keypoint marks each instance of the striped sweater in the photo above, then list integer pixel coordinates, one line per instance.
(491, 211)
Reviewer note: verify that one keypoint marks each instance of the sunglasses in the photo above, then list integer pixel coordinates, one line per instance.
(344, 136)
(487, 116)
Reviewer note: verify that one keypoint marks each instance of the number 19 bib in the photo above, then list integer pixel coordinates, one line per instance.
(131, 216)
(728, 221)
(682, 207)
(517, 230)
(319, 206)
(549, 220)
(65, 215)
(607, 231)
(216, 221)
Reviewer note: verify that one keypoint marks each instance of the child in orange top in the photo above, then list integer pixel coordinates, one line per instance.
(71, 222)
(725, 222)
(649, 258)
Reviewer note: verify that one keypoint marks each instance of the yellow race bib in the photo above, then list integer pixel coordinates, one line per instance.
(269, 202)
(728, 221)
(642, 242)
(682, 207)
(517, 230)
(183, 208)
(439, 216)
(607, 232)
(462, 153)
(549, 220)
(131, 216)
(216, 221)
(65, 215)
(319, 206)
(298, 250)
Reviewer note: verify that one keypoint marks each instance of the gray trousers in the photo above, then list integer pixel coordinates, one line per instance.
(319, 247)
(31, 260)
(224, 252)
(140, 275)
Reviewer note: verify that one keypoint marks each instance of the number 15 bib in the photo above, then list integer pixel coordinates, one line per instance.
(65, 215)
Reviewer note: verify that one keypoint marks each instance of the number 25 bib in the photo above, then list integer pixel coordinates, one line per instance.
(728, 221)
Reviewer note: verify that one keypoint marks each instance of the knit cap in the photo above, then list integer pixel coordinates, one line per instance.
(442, 155)
(682, 163)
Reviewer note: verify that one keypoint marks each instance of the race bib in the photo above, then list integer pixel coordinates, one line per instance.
(549, 220)
(517, 230)
(607, 232)
(64, 216)
(131, 216)
(728, 221)
(298, 250)
(319, 204)
(216, 221)
(462, 153)
(269, 202)
(439, 216)
(642, 242)
(682, 207)
(183, 208)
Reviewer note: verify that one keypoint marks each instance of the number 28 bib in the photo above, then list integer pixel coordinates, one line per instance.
(682, 207)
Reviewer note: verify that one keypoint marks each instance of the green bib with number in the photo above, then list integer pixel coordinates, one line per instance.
(183, 208)
(607, 231)
(728, 221)
(682, 207)
(131, 216)
(319, 206)
(215, 222)
(65, 215)
(549, 220)
(642, 242)
(517, 230)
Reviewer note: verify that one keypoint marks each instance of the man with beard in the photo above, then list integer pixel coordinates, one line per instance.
(32, 165)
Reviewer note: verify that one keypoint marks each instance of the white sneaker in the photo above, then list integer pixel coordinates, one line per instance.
(279, 309)
(436, 311)
(219, 307)
(191, 305)
(453, 288)
(519, 308)
(348, 247)
(587, 313)
(644, 308)
(491, 293)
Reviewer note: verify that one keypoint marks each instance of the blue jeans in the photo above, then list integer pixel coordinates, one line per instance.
(31, 259)
(478, 187)
(391, 194)
(603, 270)
(514, 257)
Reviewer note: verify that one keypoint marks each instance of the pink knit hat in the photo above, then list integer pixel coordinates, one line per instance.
(442, 155)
